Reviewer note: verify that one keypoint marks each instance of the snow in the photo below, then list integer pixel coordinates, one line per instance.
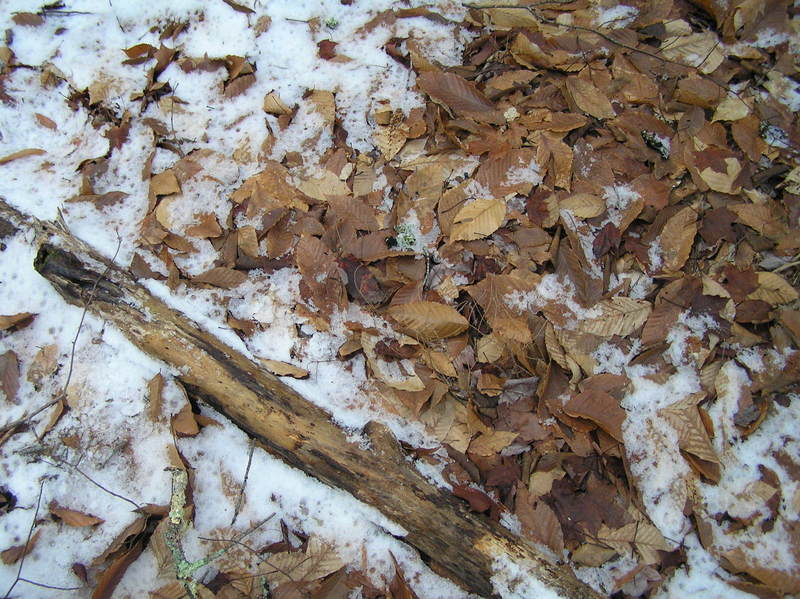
(616, 16)
(514, 580)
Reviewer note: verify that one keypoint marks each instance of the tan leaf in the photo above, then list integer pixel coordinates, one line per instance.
(584, 205)
(732, 108)
(488, 348)
(207, 227)
(21, 154)
(9, 375)
(676, 239)
(785, 582)
(479, 219)
(165, 183)
(692, 436)
(460, 95)
(398, 374)
(599, 407)
(14, 553)
(619, 316)
(73, 517)
(773, 289)
(279, 368)
(44, 363)
(428, 320)
(319, 560)
(155, 387)
(702, 51)
(440, 362)
(327, 184)
(488, 444)
(247, 241)
(45, 122)
(447, 422)
(490, 385)
(723, 182)
(184, 423)
(226, 278)
(589, 99)
(274, 105)
(21, 319)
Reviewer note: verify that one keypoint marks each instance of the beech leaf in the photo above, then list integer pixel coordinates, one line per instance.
(479, 219)
(73, 517)
(428, 320)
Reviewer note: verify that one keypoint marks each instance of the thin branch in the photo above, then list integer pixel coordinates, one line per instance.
(240, 500)
(27, 541)
(47, 586)
(60, 462)
(14, 424)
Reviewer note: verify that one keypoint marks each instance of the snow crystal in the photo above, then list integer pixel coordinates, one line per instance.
(768, 38)
(751, 359)
(655, 255)
(611, 358)
(550, 289)
(524, 173)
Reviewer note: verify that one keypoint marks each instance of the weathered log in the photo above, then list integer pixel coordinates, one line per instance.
(455, 542)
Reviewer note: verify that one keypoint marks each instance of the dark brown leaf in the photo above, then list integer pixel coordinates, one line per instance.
(9, 375)
(459, 95)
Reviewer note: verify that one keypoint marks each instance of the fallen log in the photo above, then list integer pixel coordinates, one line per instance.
(461, 545)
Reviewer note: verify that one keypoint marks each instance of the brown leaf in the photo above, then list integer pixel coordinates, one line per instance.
(428, 320)
(21, 154)
(479, 219)
(279, 368)
(539, 521)
(44, 364)
(165, 183)
(45, 121)
(220, 276)
(18, 321)
(618, 316)
(676, 239)
(9, 375)
(588, 98)
(326, 49)
(599, 407)
(239, 85)
(460, 95)
(207, 227)
(478, 500)
(14, 553)
(28, 19)
(73, 517)
(239, 7)
(399, 588)
(184, 423)
(275, 106)
(155, 388)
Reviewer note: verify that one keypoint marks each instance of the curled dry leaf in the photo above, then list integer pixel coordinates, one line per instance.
(279, 368)
(588, 98)
(14, 553)
(428, 320)
(773, 289)
(599, 407)
(21, 154)
(73, 517)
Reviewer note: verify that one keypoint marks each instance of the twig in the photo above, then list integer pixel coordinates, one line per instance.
(91, 480)
(48, 586)
(27, 541)
(18, 421)
(244, 482)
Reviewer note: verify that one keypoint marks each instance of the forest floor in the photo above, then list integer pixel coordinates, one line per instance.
(552, 246)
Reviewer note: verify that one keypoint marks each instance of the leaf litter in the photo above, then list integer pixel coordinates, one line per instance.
(550, 245)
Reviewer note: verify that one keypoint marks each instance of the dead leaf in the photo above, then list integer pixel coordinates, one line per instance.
(19, 321)
(618, 316)
(588, 98)
(599, 407)
(428, 320)
(479, 219)
(275, 106)
(165, 183)
(207, 227)
(318, 560)
(773, 289)
(279, 368)
(459, 95)
(220, 276)
(44, 364)
(21, 154)
(73, 517)
(184, 423)
(492, 442)
(14, 553)
(9, 375)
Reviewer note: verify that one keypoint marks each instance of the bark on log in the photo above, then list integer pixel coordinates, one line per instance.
(455, 542)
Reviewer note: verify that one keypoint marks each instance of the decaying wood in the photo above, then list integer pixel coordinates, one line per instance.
(455, 542)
